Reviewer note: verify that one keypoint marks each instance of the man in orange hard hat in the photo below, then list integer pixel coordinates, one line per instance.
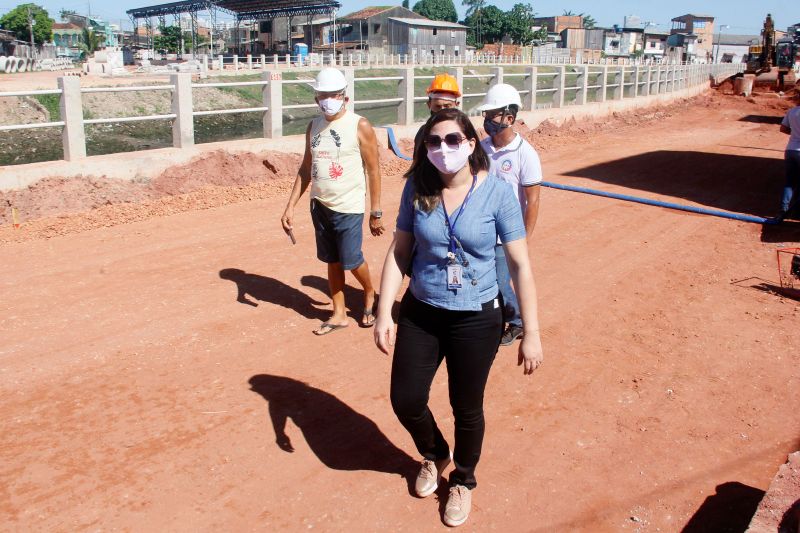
(443, 93)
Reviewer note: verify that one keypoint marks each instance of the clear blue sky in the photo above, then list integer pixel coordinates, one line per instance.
(745, 17)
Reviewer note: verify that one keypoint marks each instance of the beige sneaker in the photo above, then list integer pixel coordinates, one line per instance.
(428, 477)
(458, 506)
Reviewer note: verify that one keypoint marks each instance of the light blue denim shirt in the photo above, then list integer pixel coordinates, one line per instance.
(491, 212)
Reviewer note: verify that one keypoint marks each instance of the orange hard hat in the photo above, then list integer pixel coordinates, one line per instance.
(444, 83)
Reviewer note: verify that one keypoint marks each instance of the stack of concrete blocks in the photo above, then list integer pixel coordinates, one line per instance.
(106, 62)
(190, 66)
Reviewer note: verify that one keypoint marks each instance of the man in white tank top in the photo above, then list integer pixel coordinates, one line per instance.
(341, 151)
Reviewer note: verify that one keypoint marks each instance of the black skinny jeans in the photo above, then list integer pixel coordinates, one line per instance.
(468, 342)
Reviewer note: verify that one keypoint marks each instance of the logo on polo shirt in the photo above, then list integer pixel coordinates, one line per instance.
(505, 166)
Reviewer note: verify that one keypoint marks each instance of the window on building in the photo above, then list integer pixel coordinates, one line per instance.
(678, 25)
(435, 31)
(376, 28)
(452, 35)
(699, 24)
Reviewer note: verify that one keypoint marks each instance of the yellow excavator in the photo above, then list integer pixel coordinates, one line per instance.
(778, 53)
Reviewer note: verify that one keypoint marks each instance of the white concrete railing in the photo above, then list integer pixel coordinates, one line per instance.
(627, 82)
(249, 62)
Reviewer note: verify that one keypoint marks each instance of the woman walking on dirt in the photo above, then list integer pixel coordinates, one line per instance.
(453, 211)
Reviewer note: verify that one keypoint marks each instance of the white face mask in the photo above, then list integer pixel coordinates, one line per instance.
(331, 106)
(450, 160)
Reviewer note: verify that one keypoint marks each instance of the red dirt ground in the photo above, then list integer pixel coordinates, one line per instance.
(140, 395)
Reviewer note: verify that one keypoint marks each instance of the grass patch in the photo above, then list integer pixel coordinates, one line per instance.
(51, 102)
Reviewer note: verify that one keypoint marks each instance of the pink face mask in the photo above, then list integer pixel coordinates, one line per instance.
(450, 160)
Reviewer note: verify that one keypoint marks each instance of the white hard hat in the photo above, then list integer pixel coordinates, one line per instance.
(330, 80)
(499, 96)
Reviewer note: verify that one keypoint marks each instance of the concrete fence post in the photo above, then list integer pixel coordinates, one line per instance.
(603, 84)
(204, 63)
(458, 74)
(558, 84)
(647, 80)
(288, 60)
(275, 60)
(263, 62)
(350, 91)
(73, 136)
(249, 62)
(497, 75)
(636, 78)
(405, 111)
(619, 83)
(236, 63)
(529, 103)
(656, 81)
(221, 60)
(273, 100)
(583, 85)
(183, 125)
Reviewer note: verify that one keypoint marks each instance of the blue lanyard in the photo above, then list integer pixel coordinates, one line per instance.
(451, 227)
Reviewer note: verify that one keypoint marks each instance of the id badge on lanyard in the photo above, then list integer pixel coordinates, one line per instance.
(455, 273)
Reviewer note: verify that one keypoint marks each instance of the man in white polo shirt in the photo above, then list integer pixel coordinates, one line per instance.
(514, 160)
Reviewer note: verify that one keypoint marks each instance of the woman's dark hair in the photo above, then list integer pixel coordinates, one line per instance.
(427, 182)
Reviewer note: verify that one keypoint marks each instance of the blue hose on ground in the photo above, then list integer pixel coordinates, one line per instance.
(669, 205)
(657, 203)
(396, 147)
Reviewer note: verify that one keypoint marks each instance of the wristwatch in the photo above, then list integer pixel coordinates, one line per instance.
(376, 214)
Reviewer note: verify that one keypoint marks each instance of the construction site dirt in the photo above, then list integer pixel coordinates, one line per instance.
(160, 372)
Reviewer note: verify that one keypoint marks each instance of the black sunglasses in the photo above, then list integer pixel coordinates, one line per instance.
(453, 140)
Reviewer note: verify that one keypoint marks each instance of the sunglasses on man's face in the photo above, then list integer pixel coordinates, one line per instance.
(453, 140)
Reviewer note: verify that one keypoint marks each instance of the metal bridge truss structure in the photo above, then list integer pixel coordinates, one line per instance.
(248, 11)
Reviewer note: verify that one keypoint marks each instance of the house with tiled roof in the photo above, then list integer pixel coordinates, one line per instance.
(370, 26)
(68, 38)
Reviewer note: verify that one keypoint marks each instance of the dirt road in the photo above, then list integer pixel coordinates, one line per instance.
(149, 369)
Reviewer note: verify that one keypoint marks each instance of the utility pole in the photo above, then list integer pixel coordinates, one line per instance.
(719, 41)
(30, 26)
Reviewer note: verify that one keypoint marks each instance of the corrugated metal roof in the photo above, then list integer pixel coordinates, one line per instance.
(736, 40)
(694, 16)
(427, 22)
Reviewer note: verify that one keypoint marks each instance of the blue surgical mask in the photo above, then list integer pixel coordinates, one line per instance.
(492, 128)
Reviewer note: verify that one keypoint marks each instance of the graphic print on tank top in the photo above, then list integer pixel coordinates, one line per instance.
(326, 166)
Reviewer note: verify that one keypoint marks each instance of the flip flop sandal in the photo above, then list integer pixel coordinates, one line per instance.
(368, 314)
(331, 328)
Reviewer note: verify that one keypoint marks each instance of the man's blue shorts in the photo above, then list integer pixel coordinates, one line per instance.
(339, 236)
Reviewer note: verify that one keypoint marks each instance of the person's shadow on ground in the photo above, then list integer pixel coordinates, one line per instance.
(266, 289)
(340, 437)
